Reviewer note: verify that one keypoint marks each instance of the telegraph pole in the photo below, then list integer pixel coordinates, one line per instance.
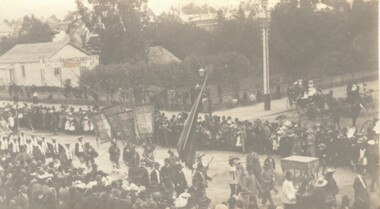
(265, 27)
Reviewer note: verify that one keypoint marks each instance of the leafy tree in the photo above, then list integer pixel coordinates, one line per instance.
(180, 39)
(34, 30)
(121, 27)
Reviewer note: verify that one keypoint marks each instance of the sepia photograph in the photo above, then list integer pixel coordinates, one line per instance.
(189, 104)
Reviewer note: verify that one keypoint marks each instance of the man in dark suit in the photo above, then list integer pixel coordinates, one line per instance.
(155, 176)
(142, 178)
(166, 174)
(362, 198)
(179, 180)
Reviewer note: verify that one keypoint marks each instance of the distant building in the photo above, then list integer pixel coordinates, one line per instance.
(205, 21)
(45, 64)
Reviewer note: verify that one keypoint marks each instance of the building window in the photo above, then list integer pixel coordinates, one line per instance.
(57, 71)
(23, 71)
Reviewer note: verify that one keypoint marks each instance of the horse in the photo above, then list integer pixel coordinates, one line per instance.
(342, 109)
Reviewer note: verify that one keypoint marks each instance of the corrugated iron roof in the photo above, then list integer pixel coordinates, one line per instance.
(32, 52)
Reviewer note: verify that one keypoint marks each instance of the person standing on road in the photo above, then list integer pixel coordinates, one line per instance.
(79, 149)
(267, 179)
(331, 187)
(232, 176)
(114, 153)
(362, 198)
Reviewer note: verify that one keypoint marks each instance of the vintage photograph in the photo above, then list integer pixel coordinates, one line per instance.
(189, 104)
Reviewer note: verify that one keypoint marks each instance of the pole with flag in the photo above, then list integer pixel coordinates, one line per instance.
(187, 141)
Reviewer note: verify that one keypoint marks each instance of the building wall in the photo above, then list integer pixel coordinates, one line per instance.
(36, 73)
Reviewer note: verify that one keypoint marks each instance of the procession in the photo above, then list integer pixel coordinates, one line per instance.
(189, 104)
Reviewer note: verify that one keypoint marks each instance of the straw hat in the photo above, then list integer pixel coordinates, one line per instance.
(182, 200)
(330, 170)
(371, 142)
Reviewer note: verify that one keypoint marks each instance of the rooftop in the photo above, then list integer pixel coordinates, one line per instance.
(32, 52)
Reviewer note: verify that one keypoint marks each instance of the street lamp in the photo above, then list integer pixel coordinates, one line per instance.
(264, 19)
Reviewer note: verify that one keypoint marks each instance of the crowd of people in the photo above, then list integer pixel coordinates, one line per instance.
(49, 118)
(37, 173)
(40, 173)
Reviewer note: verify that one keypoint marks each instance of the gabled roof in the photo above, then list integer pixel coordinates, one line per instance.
(160, 55)
(33, 52)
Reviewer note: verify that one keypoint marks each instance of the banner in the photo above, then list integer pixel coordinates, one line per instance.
(111, 114)
(126, 120)
(102, 127)
(144, 118)
(72, 62)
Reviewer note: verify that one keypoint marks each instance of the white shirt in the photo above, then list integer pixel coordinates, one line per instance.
(4, 144)
(80, 147)
(11, 122)
(288, 192)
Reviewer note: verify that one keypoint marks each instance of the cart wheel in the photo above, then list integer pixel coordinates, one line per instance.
(366, 125)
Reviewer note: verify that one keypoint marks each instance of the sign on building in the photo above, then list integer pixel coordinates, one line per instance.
(88, 62)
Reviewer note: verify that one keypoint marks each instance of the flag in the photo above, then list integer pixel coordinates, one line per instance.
(187, 141)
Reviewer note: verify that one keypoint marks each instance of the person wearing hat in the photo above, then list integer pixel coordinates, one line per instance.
(345, 203)
(172, 157)
(166, 174)
(267, 183)
(253, 163)
(131, 157)
(319, 195)
(323, 156)
(89, 154)
(179, 179)
(362, 197)
(251, 185)
(79, 149)
(114, 153)
(142, 178)
(155, 176)
(148, 155)
(232, 175)
(332, 187)
(199, 181)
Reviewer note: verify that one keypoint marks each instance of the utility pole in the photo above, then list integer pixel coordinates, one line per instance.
(265, 28)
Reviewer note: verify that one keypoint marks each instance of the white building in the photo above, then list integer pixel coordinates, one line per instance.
(45, 64)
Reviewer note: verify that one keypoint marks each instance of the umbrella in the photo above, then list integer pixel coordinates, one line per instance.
(23, 156)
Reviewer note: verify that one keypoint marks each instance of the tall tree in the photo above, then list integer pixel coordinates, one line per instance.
(34, 30)
(121, 26)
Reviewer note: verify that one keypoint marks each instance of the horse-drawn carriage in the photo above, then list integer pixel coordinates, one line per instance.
(326, 109)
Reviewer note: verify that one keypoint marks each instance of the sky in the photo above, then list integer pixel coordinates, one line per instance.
(14, 9)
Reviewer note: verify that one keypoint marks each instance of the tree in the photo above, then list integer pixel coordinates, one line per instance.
(34, 30)
(179, 38)
(121, 27)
